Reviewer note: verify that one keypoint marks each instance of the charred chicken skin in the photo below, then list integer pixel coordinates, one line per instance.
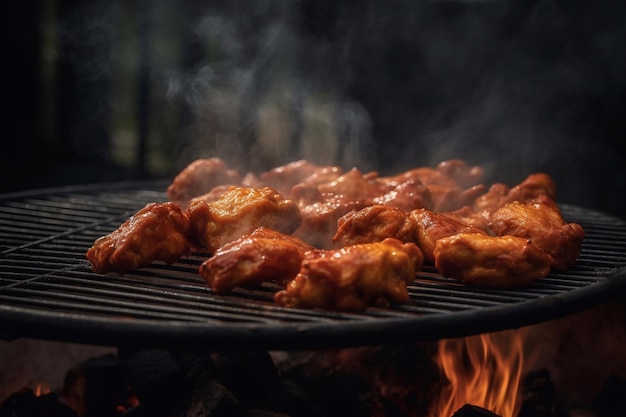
(158, 232)
(354, 277)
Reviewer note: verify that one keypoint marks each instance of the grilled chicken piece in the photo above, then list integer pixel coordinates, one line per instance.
(374, 224)
(432, 226)
(263, 255)
(469, 217)
(285, 177)
(544, 226)
(157, 232)
(407, 195)
(464, 175)
(198, 178)
(354, 277)
(320, 212)
(322, 204)
(212, 196)
(319, 220)
(246, 223)
(480, 260)
(238, 212)
(451, 185)
(536, 188)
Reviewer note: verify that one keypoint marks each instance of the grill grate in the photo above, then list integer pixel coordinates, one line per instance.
(47, 288)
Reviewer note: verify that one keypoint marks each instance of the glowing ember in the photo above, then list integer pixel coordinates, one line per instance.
(483, 370)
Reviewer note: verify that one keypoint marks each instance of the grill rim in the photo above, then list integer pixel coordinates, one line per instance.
(82, 328)
(75, 328)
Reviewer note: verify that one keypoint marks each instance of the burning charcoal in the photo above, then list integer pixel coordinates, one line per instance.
(26, 404)
(248, 375)
(469, 410)
(290, 398)
(156, 379)
(539, 396)
(610, 401)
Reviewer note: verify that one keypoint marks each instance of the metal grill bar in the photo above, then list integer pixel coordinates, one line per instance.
(47, 288)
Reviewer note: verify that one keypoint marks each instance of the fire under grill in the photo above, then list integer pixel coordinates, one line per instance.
(48, 291)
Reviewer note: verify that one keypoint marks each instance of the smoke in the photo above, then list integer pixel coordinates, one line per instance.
(263, 93)
(516, 87)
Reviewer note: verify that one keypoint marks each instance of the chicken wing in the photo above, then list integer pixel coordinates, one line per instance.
(407, 195)
(263, 255)
(432, 226)
(463, 174)
(544, 226)
(320, 213)
(157, 232)
(374, 224)
(480, 260)
(198, 178)
(452, 184)
(354, 277)
(285, 177)
(238, 212)
(538, 187)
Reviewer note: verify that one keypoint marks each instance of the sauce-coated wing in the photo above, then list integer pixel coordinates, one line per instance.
(263, 255)
(198, 178)
(536, 188)
(239, 211)
(374, 224)
(283, 178)
(451, 185)
(480, 260)
(544, 226)
(407, 195)
(157, 232)
(354, 277)
(432, 226)
(320, 213)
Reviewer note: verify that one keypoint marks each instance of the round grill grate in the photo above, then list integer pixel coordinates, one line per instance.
(48, 291)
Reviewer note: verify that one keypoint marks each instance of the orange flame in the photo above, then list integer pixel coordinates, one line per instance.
(484, 371)
(41, 388)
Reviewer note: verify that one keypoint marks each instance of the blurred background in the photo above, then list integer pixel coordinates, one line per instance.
(105, 91)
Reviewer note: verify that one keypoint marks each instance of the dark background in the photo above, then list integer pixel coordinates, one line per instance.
(104, 91)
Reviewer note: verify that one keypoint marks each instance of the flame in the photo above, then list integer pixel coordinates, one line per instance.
(41, 388)
(483, 370)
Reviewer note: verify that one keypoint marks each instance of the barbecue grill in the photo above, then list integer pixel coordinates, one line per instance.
(48, 290)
